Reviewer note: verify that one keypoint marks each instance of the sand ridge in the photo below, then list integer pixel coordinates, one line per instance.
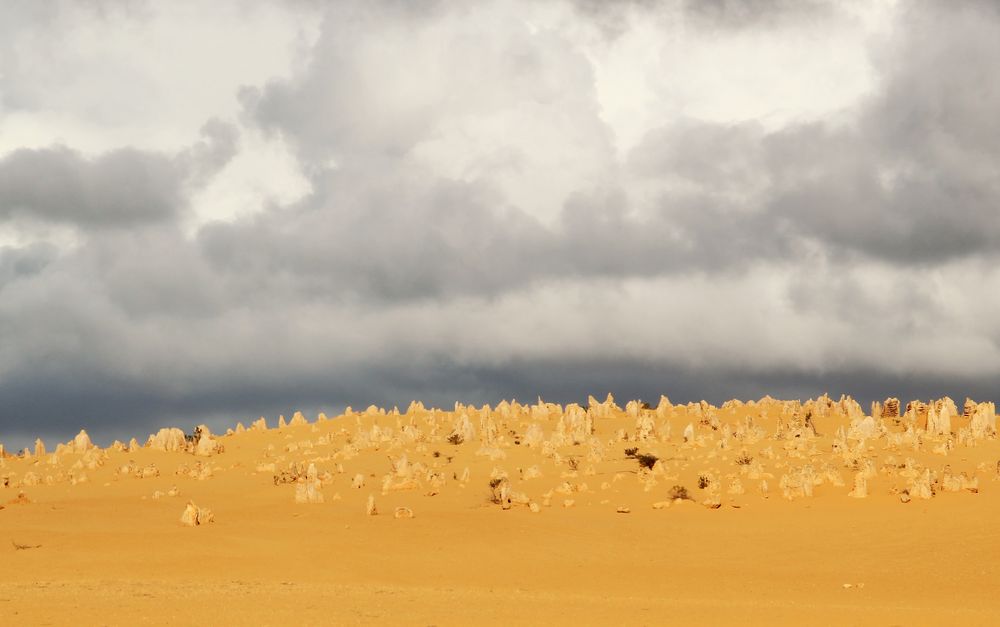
(765, 511)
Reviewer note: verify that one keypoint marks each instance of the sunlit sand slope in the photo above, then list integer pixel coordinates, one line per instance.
(767, 512)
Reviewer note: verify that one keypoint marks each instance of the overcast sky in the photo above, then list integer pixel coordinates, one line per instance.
(211, 211)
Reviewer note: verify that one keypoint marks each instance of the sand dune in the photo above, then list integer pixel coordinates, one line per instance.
(765, 512)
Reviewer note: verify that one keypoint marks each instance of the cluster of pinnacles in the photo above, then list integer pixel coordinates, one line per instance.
(544, 455)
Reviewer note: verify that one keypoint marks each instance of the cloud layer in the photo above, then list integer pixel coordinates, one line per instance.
(507, 200)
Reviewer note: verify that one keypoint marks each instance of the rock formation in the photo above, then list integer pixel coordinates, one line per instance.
(194, 515)
(891, 408)
(81, 443)
(167, 439)
(307, 488)
(205, 444)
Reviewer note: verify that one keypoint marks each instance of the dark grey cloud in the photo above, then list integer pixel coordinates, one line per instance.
(407, 238)
(737, 195)
(390, 238)
(154, 274)
(918, 178)
(24, 262)
(120, 409)
(218, 144)
(121, 188)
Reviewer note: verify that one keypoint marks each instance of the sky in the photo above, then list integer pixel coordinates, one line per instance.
(215, 211)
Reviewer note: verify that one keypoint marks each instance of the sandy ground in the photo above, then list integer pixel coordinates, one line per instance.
(104, 551)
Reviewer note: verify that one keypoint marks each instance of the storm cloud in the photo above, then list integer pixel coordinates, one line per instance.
(506, 200)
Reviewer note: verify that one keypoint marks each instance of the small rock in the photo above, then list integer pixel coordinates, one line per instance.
(194, 515)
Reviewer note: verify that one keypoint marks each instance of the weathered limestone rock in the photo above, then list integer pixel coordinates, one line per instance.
(532, 472)
(891, 408)
(308, 491)
(862, 429)
(81, 443)
(206, 445)
(534, 436)
(168, 439)
(969, 408)
(462, 430)
(689, 432)
(921, 487)
(645, 427)
(942, 422)
(984, 420)
(663, 408)
(194, 515)
(148, 471)
(501, 492)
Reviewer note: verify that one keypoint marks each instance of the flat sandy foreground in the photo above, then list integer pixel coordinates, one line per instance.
(809, 514)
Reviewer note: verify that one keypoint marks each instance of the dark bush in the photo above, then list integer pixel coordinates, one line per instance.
(679, 492)
(647, 461)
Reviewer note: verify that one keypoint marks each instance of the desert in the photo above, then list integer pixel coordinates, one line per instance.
(767, 511)
(499, 312)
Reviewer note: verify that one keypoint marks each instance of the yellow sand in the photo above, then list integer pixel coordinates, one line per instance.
(104, 551)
